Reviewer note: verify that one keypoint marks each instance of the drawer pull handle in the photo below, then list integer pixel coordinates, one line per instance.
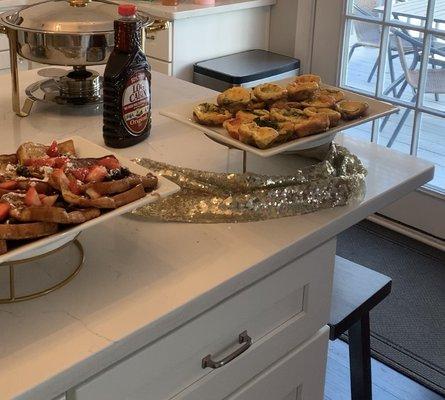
(243, 338)
(157, 26)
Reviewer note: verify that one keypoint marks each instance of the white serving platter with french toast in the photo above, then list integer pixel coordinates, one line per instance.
(183, 113)
(84, 149)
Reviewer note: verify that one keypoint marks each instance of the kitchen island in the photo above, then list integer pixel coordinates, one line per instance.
(154, 299)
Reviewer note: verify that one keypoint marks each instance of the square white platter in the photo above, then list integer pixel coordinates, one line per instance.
(85, 148)
(183, 113)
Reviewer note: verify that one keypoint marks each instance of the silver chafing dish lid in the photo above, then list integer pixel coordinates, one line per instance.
(67, 16)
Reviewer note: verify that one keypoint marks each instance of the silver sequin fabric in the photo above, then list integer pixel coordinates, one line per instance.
(210, 197)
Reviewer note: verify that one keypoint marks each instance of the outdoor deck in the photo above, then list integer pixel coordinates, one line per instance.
(432, 133)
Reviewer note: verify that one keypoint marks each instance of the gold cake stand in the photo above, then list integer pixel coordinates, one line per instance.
(10, 265)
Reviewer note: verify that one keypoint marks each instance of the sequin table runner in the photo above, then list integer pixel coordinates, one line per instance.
(210, 197)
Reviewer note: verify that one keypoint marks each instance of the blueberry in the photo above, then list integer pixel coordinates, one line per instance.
(23, 171)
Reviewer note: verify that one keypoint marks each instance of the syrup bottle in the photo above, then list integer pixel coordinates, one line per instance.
(127, 84)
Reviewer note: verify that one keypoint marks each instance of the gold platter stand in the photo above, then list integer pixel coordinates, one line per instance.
(14, 298)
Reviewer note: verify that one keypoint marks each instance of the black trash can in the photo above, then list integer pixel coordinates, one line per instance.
(248, 69)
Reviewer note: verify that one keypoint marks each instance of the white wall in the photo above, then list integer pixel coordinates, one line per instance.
(291, 30)
(210, 36)
(283, 22)
(327, 39)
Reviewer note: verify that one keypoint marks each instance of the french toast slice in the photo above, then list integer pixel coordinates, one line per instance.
(107, 202)
(31, 230)
(31, 150)
(54, 214)
(6, 161)
(149, 182)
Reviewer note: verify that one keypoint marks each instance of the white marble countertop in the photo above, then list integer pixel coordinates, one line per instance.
(142, 278)
(186, 8)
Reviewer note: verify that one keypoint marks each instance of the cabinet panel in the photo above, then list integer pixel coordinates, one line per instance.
(160, 66)
(222, 383)
(4, 42)
(297, 293)
(4, 60)
(301, 372)
(159, 44)
(23, 63)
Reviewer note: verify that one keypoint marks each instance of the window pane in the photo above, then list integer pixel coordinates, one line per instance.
(434, 97)
(405, 48)
(439, 15)
(372, 9)
(410, 12)
(432, 147)
(396, 131)
(360, 65)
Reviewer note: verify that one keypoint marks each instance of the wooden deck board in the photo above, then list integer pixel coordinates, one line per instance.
(432, 133)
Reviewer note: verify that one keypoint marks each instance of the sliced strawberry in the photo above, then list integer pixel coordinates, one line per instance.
(4, 211)
(54, 162)
(97, 174)
(80, 173)
(74, 187)
(109, 162)
(59, 162)
(40, 162)
(32, 197)
(9, 185)
(49, 201)
(53, 150)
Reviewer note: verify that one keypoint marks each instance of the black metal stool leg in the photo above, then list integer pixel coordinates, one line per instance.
(360, 359)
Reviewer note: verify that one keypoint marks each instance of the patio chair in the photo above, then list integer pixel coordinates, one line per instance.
(435, 78)
(368, 35)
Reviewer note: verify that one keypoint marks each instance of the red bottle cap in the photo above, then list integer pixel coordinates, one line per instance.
(127, 10)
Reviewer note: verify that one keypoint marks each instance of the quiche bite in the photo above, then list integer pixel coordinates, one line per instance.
(234, 99)
(352, 109)
(211, 114)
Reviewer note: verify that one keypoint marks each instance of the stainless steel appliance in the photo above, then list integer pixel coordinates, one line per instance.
(76, 33)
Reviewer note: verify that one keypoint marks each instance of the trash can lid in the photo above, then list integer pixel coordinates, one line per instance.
(246, 66)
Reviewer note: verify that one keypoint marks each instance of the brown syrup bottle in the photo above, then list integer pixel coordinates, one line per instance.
(127, 84)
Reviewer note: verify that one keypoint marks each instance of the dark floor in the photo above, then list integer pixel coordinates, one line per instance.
(387, 384)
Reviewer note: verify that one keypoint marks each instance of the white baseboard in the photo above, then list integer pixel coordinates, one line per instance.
(422, 210)
(408, 231)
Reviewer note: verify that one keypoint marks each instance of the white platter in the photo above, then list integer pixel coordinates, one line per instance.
(85, 148)
(183, 113)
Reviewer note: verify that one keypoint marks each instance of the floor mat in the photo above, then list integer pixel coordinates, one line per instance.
(408, 327)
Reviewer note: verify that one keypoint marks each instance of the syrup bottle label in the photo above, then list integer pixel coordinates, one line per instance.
(136, 103)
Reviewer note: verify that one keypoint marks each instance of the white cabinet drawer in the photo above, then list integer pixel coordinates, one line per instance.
(229, 382)
(163, 67)
(299, 290)
(297, 376)
(4, 42)
(4, 60)
(159, 44)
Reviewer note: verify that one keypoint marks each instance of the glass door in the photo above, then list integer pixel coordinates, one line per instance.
(394, 50)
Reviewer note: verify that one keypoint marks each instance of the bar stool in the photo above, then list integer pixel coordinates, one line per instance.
(356, 291)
